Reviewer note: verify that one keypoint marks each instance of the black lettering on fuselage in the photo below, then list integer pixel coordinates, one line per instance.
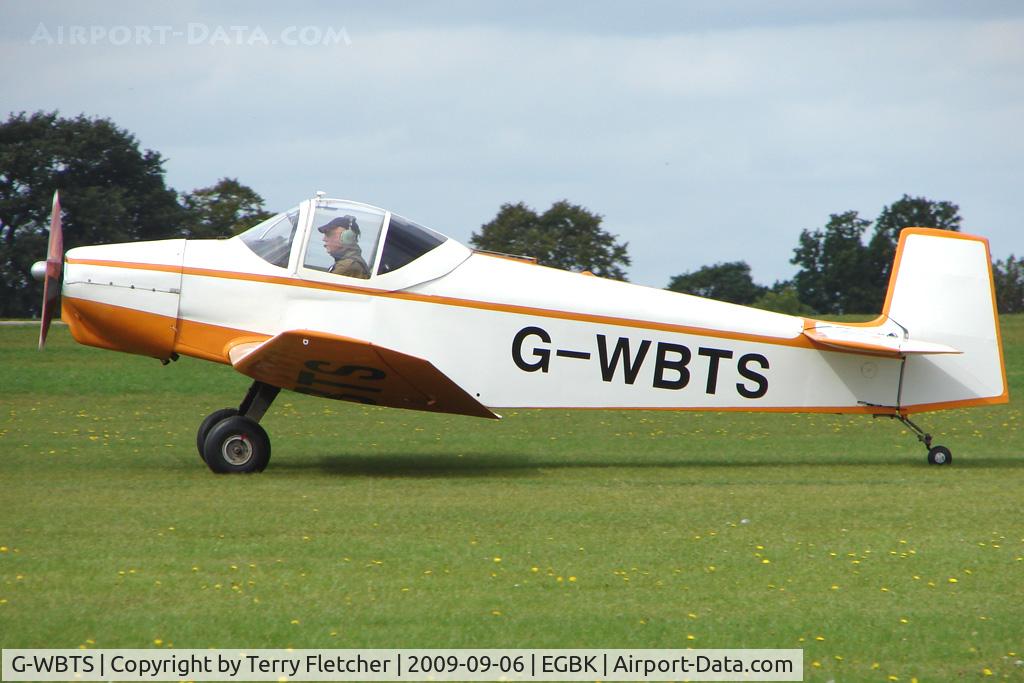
(672, 363)
(760, 380)
(663, 363)
(543, 356)
(630, 366)
(713, 355)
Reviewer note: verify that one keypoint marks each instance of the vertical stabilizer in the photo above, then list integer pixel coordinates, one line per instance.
(942, 290)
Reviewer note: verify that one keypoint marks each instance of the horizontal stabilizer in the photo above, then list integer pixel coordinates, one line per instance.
(884, 340)
(347, 369)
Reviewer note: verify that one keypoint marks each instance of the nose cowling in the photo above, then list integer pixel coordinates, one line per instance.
(124, 297)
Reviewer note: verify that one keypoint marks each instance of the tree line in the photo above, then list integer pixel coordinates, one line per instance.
(116, 192)
(844, 266)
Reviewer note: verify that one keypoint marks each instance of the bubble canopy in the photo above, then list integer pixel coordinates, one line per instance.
(341, 238)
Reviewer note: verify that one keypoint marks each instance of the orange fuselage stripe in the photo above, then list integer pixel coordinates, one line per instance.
(799, 341)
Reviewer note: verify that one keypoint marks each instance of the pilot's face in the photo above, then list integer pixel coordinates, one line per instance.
(332, 241)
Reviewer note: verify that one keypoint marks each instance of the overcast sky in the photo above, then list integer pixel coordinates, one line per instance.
(703, 132)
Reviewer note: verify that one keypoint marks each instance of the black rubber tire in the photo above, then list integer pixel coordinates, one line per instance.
(237, 445)
(207, 424)
(939, 455)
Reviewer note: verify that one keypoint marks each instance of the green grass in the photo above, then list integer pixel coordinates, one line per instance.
(376, 528)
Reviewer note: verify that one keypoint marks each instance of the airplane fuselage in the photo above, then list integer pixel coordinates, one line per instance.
(426, 323)
(512, 333)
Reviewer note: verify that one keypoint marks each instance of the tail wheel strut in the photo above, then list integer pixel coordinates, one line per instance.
(937, 455)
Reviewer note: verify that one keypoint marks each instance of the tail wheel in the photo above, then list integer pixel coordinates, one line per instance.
(236, 444)
(939, 455)
(207, 424)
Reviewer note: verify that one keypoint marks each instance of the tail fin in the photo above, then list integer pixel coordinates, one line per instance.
(942, 290)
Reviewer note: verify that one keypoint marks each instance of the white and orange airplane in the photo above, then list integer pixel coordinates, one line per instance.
(347, 301)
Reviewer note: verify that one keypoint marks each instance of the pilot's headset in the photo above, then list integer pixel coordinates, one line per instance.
(351, 234)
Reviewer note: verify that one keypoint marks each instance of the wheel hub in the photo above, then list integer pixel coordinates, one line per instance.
(237, 450)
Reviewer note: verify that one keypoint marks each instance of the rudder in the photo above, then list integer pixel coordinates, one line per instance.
(942, 290)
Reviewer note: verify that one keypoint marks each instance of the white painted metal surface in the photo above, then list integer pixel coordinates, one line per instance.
(514, 334)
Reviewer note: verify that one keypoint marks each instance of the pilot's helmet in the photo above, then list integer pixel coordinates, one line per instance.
(348, 222)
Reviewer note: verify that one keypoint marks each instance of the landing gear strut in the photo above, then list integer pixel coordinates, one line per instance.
(232, 441)
(937, 455)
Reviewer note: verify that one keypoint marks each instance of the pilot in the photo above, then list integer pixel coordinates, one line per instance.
(341, 237)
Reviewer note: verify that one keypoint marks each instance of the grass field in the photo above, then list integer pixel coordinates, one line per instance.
(376, 528)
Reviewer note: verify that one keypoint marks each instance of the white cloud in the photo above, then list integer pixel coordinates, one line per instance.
(699, 139)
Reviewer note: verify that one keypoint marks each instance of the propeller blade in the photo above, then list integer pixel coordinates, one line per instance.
(54, 269)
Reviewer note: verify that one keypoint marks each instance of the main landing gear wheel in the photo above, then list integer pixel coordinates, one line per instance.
(206, 425)
(231, 441)
(236, 444)
(939, 455)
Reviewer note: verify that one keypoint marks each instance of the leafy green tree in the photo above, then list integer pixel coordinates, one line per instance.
(723, 281)
(515, 230)
(834, 275)
(840, 274)
(1009, 281)
(565, 236)
(907, 212)
(111, 192)
(783, 298)
(222, 210)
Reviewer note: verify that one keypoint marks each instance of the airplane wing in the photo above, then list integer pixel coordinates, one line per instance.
(347, 369)
(872, 340)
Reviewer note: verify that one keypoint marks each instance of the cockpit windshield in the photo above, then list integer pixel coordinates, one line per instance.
(344, 238)
(272, 239)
